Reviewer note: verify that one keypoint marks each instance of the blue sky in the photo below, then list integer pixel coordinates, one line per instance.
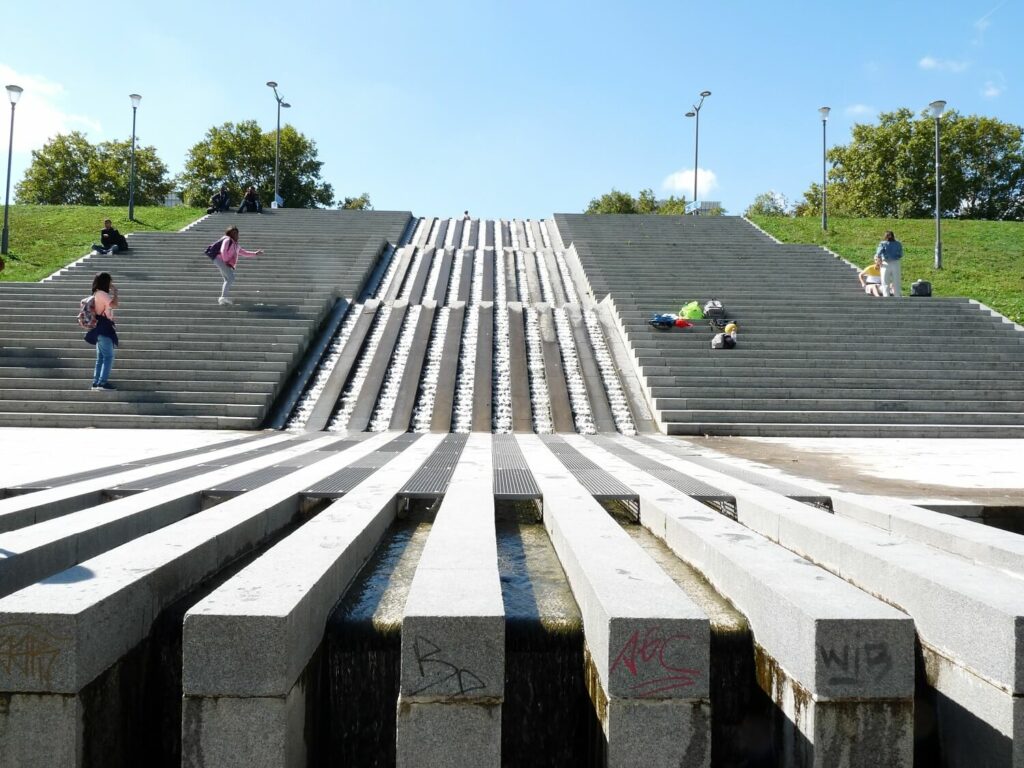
(510, 109)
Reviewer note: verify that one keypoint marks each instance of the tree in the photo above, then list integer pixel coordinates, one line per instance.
(887, 170)
(240, 155)
(770, 203)
(68, 170)
(645, 202)
(361, 203)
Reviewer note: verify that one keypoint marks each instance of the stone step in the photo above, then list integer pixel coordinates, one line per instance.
(869, 403)
(836, 416)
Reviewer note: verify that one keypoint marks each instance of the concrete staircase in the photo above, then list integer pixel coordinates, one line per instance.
(816, 357)
(184, 361)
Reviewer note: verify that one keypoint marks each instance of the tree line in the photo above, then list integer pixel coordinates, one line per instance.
(69, 170)
(888, 171)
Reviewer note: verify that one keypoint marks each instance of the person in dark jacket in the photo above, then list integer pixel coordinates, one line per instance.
(251, 202)
(111, 241)
(220, 201)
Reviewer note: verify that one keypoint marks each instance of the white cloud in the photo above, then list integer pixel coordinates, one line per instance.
(859, 110)
(38, 116)
(982, 24)
(943, 65)
(682, 181)
(991, 90)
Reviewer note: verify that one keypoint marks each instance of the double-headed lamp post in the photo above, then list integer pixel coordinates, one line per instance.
(823, 111)
(131, 182)
(937, 107)
(277, 155)
(696, 138)
(13, 93)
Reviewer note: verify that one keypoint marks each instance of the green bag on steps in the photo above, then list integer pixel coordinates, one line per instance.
(692, 311)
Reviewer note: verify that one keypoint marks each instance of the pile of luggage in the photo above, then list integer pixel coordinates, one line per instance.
(712, 310)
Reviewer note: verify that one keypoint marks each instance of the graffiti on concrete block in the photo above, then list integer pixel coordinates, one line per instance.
(441, 675)
(28, 651)
(851, 664)
(648, 654)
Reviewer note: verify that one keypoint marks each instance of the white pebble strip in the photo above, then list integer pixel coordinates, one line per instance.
(424, 410)
(348, 399)
(578, 399)
(613, 388)
(385, 406)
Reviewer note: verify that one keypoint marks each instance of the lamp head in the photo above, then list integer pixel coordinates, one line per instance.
(135, 100)
(691, 114)
(937, 107)
(285, 104)
(14, 93)
(823, 111)
(271, 84)
(705, 94)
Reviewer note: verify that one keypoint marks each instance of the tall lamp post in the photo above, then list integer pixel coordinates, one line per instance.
(937, 107)
(131, 182)
(823, 111)
(277, 155)
(696, 138)
(13, 93)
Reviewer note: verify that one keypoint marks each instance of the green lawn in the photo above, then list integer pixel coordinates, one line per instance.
(983, 260)
(44, 238)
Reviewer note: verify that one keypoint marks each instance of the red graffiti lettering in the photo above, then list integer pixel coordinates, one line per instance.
(647, 656)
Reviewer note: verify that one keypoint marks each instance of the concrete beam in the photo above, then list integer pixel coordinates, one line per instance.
(967, 538)
(597, 396)
(453, 630)
(836, 659)
(39, 506)
(969, 614)
(648, 641)
(554, 373)
(444, 273)
(519, 377)
(404, 257)
(419, 279)
(251, 639)
(86, 626)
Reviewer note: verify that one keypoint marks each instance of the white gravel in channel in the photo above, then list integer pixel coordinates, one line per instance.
(465, 379)
(546, 293)
(578, 398)
(385, 406)
(424, 410)
(609, 375)
(501, 413)
(540, 399)
(571, 295)
(350, 395)
(455, 279)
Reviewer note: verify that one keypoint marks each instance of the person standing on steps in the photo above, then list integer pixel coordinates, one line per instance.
(226, 260)
(891, 251)
(104, 296)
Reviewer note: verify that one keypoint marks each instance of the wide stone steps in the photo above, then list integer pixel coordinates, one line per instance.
(184, 360)
(815, 355)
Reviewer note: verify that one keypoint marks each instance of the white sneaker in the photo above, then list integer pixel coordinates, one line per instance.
(224, 300)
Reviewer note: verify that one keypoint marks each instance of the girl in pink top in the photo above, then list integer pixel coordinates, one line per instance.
(230, 250)
(105, 299)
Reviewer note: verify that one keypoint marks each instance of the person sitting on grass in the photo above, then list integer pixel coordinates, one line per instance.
(111, 241)
(871, 278)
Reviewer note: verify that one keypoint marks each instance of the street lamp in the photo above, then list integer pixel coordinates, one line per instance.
(823, 111)
(131, 183)
(277, 155)
(696, 138)
(13, 93)
(937, 107)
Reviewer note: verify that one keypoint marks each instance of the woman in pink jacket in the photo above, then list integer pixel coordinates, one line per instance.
(230, 250)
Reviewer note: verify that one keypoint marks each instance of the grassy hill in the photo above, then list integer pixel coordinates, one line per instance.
(983, 260)
(44, 238)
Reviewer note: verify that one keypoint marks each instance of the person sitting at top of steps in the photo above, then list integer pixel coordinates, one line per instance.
(225, 262)
(220, 201)
(111, 241)
(251, 202)
(871, 278)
